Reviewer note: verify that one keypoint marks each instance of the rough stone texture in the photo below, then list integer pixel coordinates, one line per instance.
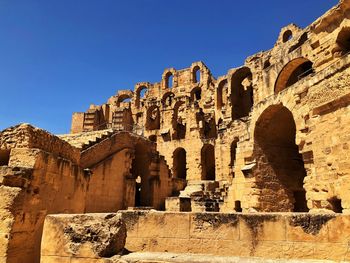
(51, 177)
(154, 257)
(229, 129)
(265, 235)
(269, 136)
(89, 236)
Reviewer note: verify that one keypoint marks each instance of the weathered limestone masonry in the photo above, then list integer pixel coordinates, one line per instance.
(299, 236)
(42, 174)
(270, 136)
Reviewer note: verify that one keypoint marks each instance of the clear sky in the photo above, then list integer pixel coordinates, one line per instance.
(58, 57)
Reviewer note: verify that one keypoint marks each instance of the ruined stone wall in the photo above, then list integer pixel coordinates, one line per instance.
(36, 182)
(265, 236)
(283, 236)
(50, 185)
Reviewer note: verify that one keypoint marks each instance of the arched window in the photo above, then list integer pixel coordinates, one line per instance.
(179, 163)
(125, 98)
(196, 74)
(168, 99)
(233, 151)
(141, 175)
(169, 80)
(288, 35)
(292, 72)
(178, 122)
(222, 93)
(140, 94)
(153, 118)
(196, 94)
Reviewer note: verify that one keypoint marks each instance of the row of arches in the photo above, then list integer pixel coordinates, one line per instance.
(240, 95)
(196, 76)
(279, 168)
(207, 163)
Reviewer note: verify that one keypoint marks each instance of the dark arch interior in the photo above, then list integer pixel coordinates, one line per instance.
(233, 151)
(222, 93)
(168, 99)
(343, 40)
(241, 93)
(196, 94)
(140, 172)
(179, 164)
(178, 123)
(287, 35)
(294, 71)
(280, 168)
(208, 162)
(153, 118)
(300, 72)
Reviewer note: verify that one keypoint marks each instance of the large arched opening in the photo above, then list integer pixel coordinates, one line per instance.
(241, 93)
(292, 72)
(208, 162)
(179, 163)
(280, 168)
(141, 173)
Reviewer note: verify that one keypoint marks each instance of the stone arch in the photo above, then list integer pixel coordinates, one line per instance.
(208, 162)
(179, 126)
(241, 93)
(196, 74)
(287, 35)
(233, 151)
(141, 92)
(279, 171)
(222, 94)
(343, 41)
(168, 99)
(140, 173)
(179, 163)
(196, 94)
(169, 78)
(123, 98)
(153, 118)
(292, 72)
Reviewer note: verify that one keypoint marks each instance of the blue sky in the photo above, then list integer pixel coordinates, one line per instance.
(57, 57)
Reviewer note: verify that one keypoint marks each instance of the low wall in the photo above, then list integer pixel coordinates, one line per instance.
(270, 235)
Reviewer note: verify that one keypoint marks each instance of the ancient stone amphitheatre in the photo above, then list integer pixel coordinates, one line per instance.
(252, 166)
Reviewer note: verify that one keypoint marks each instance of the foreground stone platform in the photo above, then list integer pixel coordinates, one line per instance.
(157, 257)
(234, 237)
